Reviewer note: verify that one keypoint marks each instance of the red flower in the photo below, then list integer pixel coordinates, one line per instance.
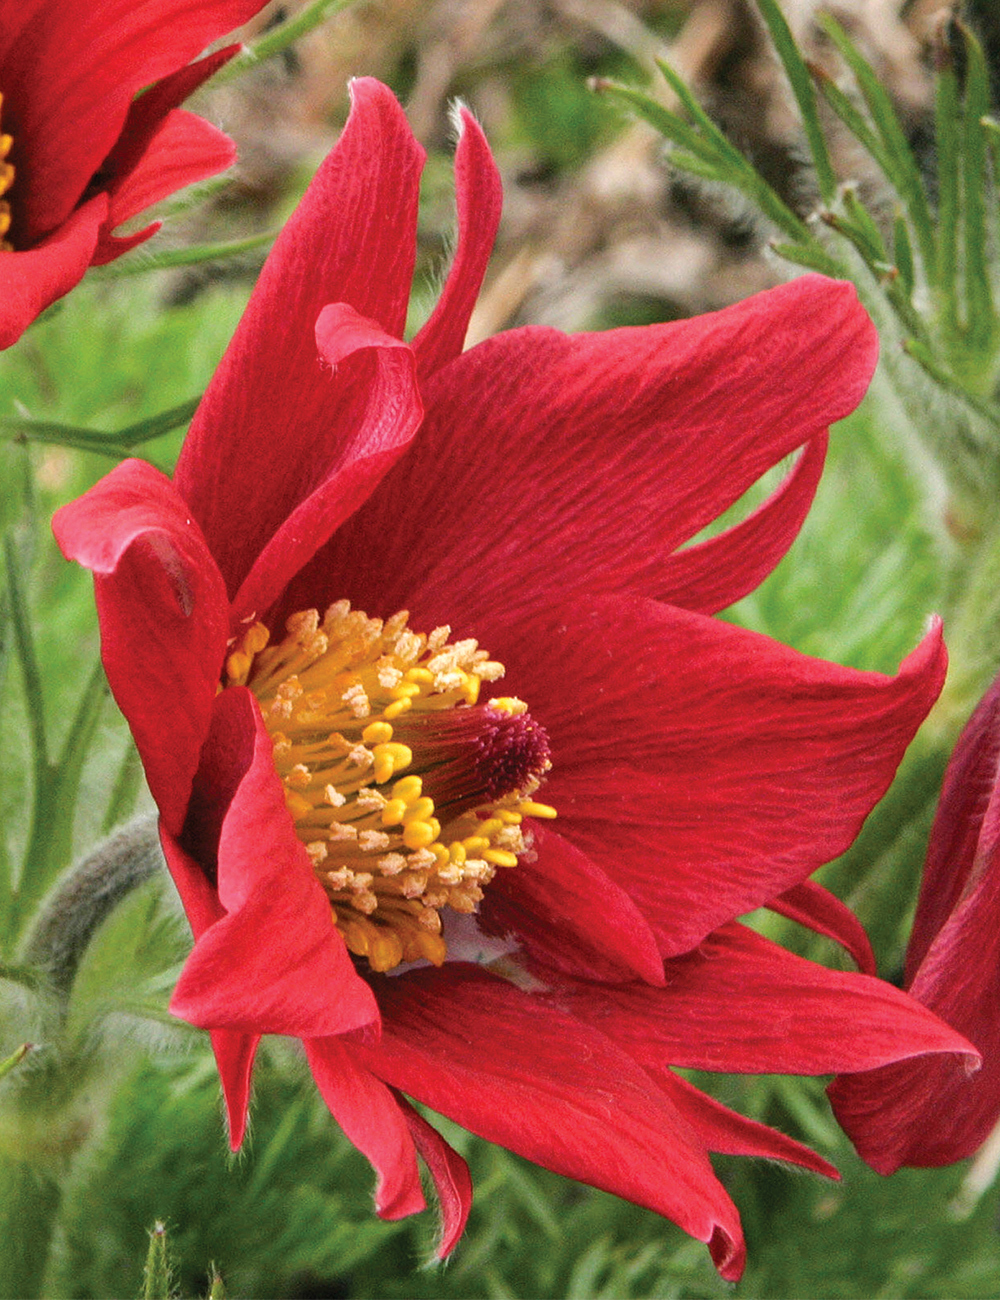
(934, 1111)
(79, 153)
(534, 492)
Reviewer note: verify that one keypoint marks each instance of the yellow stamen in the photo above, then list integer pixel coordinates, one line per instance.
(6, 181)
(406, 793)
(529, 809)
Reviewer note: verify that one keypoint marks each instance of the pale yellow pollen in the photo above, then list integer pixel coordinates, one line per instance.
(509, 704)
(332, 693)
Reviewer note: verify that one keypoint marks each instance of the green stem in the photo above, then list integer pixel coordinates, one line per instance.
(87, 895)
(29, 1203)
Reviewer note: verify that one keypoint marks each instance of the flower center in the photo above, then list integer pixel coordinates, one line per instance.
(352, 704)
(6, 181)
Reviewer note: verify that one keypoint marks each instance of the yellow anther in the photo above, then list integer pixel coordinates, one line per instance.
(420, 810)
(238, 663)
(297, 806)
(330, 692)
(500, 858)
(418, 835)
(356, 937)
(384, 951)
(394, 812)
(255, 639)
(389, 758)
(408, 788)
(433, 947)
(531, 809)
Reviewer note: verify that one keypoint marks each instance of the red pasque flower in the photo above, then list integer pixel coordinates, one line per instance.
(79, 154)
(934, 1111)
(357, 831)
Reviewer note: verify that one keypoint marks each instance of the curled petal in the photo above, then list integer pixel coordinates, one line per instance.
(274, 963)
(234, 1055)
(713, 574)
(479, 196)
(384, 421)
(450, 1174)
(163, 653)
(372, 1118)
(723, 1130)
(812, 905)
(275, 424)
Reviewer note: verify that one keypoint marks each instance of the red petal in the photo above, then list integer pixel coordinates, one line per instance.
(274, 964)
(32, 281)
(185, 149)
(742, 1004)
(707, 769)
(565, 909)
(970, 784)
(450, 1174)
(197, 891)
(275, 425)
(234, 1055)
(371, 1117)
(723, 1130)
(708, 577)
(479, 198)
(519, 1072)
(812, 905)
(931, 1112)
(69, 76)
(550, 466)
(164, 618)
(381, 430)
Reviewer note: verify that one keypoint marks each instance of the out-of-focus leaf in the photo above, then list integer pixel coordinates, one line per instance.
(279, 38)
(116, 444)
(896, 157)
(159, 260)
(805, 95)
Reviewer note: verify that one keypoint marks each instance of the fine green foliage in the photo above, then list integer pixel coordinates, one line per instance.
(929, 273)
